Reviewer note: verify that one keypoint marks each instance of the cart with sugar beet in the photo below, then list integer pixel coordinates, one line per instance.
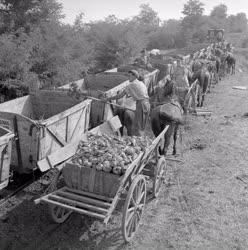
(104, 170)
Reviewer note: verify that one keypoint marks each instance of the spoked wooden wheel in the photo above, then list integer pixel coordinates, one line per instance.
(133, 207)
(59, 214)
(159, 174)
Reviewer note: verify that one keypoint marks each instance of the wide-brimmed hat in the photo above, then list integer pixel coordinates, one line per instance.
(134, 72)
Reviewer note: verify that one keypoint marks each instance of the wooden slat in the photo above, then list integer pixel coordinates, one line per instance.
(66, 128)
(17, 140)
(97, 196)
(59, 156)
(77, 203)
(56, 137)
(78, 122)
(84, 199)
(81, 211)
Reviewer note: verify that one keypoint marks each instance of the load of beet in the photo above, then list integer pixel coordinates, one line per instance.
(104, 157)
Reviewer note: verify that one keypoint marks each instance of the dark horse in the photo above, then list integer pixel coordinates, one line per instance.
(177, 99)
(203, 82)
(231, 62)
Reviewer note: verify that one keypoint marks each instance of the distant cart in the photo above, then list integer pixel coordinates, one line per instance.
(42, 123)
(102, 191)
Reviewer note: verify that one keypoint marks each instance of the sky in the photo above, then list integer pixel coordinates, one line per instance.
(166, 9)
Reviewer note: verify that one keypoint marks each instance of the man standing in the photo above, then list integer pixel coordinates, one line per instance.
(138, 91)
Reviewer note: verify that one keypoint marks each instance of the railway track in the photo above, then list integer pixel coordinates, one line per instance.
(17, 186)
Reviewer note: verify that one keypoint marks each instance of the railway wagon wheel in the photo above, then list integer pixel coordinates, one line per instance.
(133, 207)
(159, 174)
(59, 214)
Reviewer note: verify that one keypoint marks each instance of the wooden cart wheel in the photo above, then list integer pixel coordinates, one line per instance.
(59, 214)
(133, 207)
(159, 173)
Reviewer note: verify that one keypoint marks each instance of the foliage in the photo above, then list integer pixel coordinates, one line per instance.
(115, 44)
(36, 47)
(193, 8)
(237, 23)
(147, 16)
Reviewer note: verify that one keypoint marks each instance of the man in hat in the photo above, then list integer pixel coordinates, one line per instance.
(138, 91)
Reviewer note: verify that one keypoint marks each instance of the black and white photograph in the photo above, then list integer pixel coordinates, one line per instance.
(123, 125)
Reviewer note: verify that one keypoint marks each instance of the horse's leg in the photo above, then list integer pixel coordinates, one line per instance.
(198, 93)
(167, 138)
(175, 139)
(210, 81)
(199, 98)
(129, 122)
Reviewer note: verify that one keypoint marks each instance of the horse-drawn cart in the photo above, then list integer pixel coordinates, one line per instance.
(131, 185)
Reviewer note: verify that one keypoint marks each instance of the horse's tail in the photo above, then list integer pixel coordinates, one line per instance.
(206, 82)
(155, 121)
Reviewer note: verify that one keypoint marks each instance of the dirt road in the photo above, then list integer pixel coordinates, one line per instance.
(204, 204)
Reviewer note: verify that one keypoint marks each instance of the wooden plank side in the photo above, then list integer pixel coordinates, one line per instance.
(59, 128)
(58, 156)
(5, 156)
(49, 143)
(28, 139)
(72, 119)
(6, 120)
(79, 125)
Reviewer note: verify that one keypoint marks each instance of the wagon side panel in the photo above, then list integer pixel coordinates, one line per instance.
(26, 144)
(64, 128)
(5, 157)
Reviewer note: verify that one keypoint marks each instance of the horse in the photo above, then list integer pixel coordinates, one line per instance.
(126, 117)
(177, 98)
(203, 81)
(231, 62)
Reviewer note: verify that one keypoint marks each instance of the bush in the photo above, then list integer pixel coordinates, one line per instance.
(244, 43)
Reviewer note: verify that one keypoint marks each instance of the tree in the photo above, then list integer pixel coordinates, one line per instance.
(219, 16)
(193, 8)
(237, 23)
(219, 12)
(147, 21)
(115, 44)
(27, 13)
(193, 11)
(147, 16)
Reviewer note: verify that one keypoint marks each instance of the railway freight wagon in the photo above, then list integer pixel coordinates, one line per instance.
(42, 123)
(165, 68)
(107, 84)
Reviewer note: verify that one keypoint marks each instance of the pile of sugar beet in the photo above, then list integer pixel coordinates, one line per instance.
(110, 154)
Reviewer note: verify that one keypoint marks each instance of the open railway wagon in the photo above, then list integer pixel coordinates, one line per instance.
(42, 123)
(103, 84)
(165, 67)
(94, 192)
(96, 86)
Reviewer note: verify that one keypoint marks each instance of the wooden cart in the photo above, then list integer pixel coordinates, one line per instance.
(132, 185)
